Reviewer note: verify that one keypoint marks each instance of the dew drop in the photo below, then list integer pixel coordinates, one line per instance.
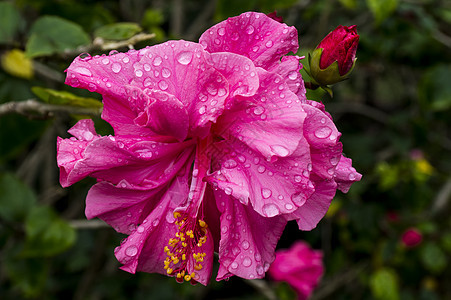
(126, 59)
(235, 36)
(166, 73)
(228, 190)
(163, 85)
(155, 222)
(247, 262)
(298, 199)
(293, 75)
(250, 29)
(298, 178)
(258, 257)
(138, 73)
(289, 206)
(309, 167)
(202, 109)
(221, 31)
(245, 245)
(266, 193)
(351, 176)
(258, 110)
(270, 210)
(224, 229)
(185, 58)
(195, 172)
(255, 48)
(323, 132)
(88, 135)
(269, 44)
(116, 68)
(236, 250)
(157, 61)
(105, 61)
(212, 90)
(140, 229)
(261, 169)
(234, 265)
(280, 150)
(131, 250)
(83, 71)
(260, 270)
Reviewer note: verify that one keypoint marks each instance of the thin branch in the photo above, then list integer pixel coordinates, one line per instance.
(101, 44)
(33, 108)
(442, 198)
(88, 224)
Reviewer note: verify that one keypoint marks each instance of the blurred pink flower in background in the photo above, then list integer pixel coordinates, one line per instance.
(411, 237)
(215, 148)
(300, 266)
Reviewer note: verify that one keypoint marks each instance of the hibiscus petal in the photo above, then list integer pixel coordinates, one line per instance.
(269, 122)
(317, 205)
(345, 174)
(115, 158)
(322, 135)
(272, 188)
(240, 72)
(247, 241)
(253, 35)
(289, 68)
(165, 115)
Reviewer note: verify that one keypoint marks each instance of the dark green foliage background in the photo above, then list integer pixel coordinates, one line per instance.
(394, 114)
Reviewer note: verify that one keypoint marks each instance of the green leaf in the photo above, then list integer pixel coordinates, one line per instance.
(10, 21)
(16, 198)
(65, 98)
(50, 34)
(46, 233)
(433, 258)
(118, 31)
(349, 4)
(384, 284)
(381, 9)
(435, 89)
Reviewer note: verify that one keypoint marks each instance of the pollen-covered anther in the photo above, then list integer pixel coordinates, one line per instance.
(189, 238)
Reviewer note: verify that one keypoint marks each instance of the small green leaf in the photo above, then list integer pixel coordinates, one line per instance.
(384, 284)
(118, 31)
(433, 258)
(10, 21)
(46, 233)
(50, 34)
(349, 4)
(65, 98)
(16, 199)
(381, 9)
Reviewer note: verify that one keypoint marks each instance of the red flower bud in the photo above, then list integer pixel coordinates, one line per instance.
(274, 16)
(411, 237)
(339, 45)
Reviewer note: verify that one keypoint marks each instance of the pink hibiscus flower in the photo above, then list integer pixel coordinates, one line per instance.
(300, 266)
(215, 148)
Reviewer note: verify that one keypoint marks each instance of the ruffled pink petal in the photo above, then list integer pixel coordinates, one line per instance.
(289, 68)
(253, 35)
(345, 174)
(165, 115)
(240, 72)
(314, 209)
(273, 188)
(143, 250)
(322, 135)
(182, 69)
(247, 240)
(270, 122)
(114, 159)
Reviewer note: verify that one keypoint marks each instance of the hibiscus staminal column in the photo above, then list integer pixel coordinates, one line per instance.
(185, 252)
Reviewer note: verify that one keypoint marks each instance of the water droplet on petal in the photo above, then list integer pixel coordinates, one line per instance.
(258, 110)
(261, 169)
(323, 132)
(138, 73)
(293, 75)
(88, 135)
(270, 210)
(202, 109)
(258, 257)
(228, 190)
(266, 193)
(298, 178)
(351, 176)
(298, 199)
(221, 31)
(140, 229)
(245, 245)
(116, 68)
(157, 61)
(236, 250)
(280, 150)
(247, 262)
(185, 58)
(166, 73)
(126, 59)
(260, 270)
(105, 61)
(269, 44)
(83, 71)
(155, 222)
(131, 250)
(224, 229)
(250, 29)
(234, 265)
(163, 85)
(309, 167)
(289, 206)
